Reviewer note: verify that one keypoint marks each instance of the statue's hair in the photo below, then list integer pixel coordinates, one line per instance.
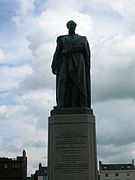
(69, 22)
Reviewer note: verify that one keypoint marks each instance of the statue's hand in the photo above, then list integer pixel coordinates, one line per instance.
(55, 71)
(64, 51)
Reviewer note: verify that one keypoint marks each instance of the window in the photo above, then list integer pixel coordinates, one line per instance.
(106, 174)
(5, 166)
(117, 174)
(128, 174)
(15, 165)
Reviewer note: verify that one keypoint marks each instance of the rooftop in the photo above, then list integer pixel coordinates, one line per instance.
(109, 166)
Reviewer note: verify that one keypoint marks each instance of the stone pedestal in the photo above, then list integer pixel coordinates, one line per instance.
(72, 147)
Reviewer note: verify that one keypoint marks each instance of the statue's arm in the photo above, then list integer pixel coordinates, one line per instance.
(56, 57)
(80, 45)
(87, 53)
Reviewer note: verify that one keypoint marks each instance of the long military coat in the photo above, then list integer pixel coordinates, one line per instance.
(72, 59)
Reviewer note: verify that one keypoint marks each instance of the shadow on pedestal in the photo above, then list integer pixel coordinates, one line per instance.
(76, 110)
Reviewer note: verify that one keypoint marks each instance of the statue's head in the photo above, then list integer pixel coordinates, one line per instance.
(71, 25)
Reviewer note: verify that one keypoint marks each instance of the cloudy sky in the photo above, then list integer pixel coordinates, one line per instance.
(28, 32)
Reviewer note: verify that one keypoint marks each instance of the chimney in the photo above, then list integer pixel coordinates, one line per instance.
(24, 153)
(133, 162)
(40, 166)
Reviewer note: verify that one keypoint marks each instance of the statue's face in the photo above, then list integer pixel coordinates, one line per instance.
(71, 26)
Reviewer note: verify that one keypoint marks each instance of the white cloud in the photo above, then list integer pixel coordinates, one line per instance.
(113, 154)
(1, 143)
(115, 122)
(116, 52)
(2, 56)
(12, 76)
(115, 130)
(126, 9)
(25, 10)
(18, 52)
(113, 68)
(39, 104)
(3, 111)
(26, 6)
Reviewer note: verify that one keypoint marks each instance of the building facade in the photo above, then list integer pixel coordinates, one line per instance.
(13, 169)
(117, 171)
(40, 174)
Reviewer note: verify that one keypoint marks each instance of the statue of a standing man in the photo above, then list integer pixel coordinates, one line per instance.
(71, 65)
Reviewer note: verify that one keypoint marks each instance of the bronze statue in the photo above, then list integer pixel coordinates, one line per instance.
(71, 65)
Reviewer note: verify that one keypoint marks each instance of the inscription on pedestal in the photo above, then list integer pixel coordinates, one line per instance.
(70, 152)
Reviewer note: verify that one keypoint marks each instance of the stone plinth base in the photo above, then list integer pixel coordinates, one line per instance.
(72, 147)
